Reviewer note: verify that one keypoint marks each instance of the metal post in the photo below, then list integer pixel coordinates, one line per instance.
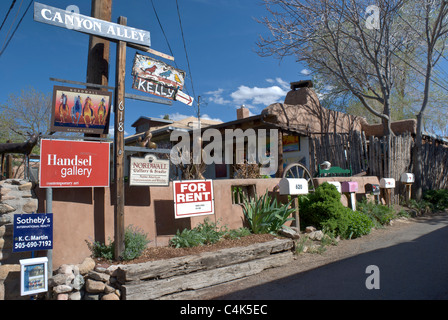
(49, 209)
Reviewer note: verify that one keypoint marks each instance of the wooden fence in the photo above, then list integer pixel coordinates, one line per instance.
(374, 157)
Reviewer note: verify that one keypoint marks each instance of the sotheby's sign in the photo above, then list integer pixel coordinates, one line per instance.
(65, 163)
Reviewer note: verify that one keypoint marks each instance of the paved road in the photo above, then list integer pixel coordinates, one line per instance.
(412, 260)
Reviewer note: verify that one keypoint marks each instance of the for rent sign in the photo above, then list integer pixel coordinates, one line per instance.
(193, 198)
(66, 163)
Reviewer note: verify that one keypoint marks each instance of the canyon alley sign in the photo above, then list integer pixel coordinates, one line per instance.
(78, 22)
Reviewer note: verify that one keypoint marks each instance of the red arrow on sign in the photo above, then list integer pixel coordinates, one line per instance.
(184, 98)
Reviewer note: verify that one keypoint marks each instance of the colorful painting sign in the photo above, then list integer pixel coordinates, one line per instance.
(65, 163)
(33, 275)
(193, 198)
(80, 110)
(157, 71)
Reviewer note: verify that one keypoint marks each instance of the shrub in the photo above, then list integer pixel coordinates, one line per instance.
(437, 198)
(378, 213)
(204, 233)
(324, 209)
(266, 215)
(135, 242)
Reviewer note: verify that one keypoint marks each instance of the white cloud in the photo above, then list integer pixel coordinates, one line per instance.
(305, 72)
(256, 95)
(178, 116)
(216, 97)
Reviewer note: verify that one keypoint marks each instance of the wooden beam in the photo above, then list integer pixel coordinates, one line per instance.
(149, 50)
(119, 111)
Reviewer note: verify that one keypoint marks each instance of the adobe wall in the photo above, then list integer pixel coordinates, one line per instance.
(82, 214)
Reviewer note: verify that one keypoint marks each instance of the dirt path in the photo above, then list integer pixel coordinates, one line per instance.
(401, 230)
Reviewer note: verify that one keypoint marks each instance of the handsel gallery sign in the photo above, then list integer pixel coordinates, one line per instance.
(65, 163)
(75, 21)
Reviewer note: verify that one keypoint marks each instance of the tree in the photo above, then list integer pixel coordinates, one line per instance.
(25, 114)
(430, 26)
(333, 39)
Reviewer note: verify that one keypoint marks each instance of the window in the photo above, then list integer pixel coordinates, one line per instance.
(239, 193)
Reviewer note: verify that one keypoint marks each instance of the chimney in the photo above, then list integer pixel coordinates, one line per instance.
(242, 112)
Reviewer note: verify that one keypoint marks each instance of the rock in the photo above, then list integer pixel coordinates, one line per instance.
(288, 232)
(110, 296)
(63, 288)
(112, 270)
(65, 269)
(98, 276)
(26, 186)
(78, 282)
(60, 279)
(93, 286)
(91, 296)
(76, 295)
(6, 208)
(310, 229)
(87, 265)
(316, 235)
(62, 296)
(30, 206)
(109, 289)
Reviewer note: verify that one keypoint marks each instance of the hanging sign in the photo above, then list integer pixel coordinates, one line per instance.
(153, 87)
(149, 171)
(157, 71)
(65, 163)
(78, 22)
(193, 198)
(33, 276)
(32, 232)
(80, 110)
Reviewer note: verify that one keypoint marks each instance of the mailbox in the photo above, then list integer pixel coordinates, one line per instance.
(337, 184)
(349, 186)
(293, 186)
(407, 178)
(373, 189)
(387, 183)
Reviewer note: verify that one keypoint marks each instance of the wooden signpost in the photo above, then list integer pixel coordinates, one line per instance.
(124, 36)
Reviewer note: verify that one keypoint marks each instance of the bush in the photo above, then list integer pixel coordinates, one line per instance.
(266, 215)
(135, 242)
(437, 198)
(324, 210)
(378, 213)
(204, 233)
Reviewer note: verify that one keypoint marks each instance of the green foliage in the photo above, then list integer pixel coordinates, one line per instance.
(266, 215)
(204, 233)
(324, 210)
(437, 198)
(378, 213)
(135, 242)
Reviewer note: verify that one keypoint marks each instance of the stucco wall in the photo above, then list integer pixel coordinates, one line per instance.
(82, 214)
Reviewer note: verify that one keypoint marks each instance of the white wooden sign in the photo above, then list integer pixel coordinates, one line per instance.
(78, 22)
(149, 171)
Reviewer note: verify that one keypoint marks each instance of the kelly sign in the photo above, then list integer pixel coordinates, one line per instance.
(65, 163)
(193, 198)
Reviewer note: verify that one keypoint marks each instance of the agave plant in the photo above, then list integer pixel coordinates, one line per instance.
(266, 215)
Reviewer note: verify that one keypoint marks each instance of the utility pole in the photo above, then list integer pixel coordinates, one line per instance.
(98, 56)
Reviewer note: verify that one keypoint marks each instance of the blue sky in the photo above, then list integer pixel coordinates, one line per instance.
(220, 37)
